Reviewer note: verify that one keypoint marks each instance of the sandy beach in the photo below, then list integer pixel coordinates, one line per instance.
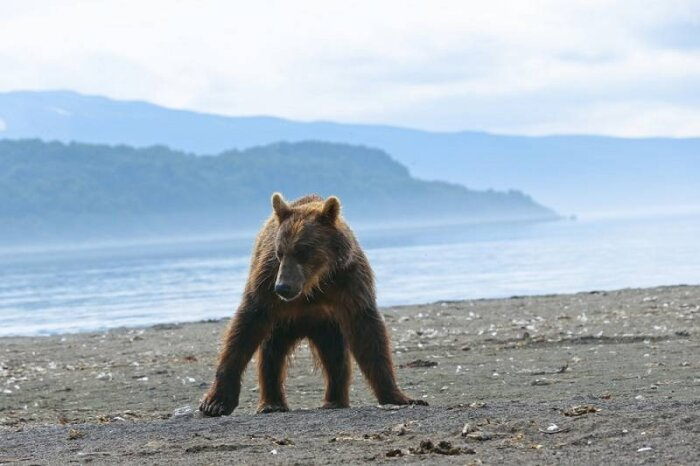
(587, 378)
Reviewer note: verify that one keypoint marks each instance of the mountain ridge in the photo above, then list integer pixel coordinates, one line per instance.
(263, 117)
(86, 190)
(571, 173)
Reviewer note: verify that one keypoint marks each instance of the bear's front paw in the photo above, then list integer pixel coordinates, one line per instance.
(215, 404)
(272, 408)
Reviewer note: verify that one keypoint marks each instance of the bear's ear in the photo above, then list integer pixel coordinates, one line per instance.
(281, 208)
(331, 210)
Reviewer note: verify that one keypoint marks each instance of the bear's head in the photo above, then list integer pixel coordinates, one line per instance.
(310, 244)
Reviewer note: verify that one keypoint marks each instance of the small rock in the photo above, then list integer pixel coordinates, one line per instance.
(481, 435)
(580, 410)
(75, 434)
(468, 429)
(445, 448)
(418, 363)
(400, 429)
(184, 411)
(442, 448)
(284, 441)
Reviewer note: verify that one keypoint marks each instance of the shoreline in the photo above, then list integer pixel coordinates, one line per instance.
(389, 308)
(507, 366)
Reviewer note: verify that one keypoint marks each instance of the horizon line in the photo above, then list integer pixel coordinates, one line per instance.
(338, 122)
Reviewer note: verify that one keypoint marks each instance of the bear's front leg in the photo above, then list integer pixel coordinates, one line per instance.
(248, 328)
(369, 343)
(222, 397)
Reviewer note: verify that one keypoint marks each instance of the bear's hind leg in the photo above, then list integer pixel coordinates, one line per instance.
(272, 364)
(331, 349)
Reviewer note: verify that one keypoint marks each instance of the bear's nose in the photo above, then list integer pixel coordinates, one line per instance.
(284, 290)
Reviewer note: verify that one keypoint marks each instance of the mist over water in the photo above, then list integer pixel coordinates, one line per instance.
(48, 292)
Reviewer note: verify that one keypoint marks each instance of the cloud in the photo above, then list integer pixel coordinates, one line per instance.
(680, 35)
(3, 125)
(506, 66)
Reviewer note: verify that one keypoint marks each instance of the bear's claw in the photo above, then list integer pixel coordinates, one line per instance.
(418, 402)
(402, 400)
(214, 407)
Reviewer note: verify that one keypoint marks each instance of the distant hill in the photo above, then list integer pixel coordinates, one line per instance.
(570, 173)
(56, 191)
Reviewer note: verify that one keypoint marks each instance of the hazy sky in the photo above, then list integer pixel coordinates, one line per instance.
(530, 67)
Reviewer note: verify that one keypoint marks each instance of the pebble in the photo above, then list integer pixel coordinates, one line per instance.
(184, 411)
(480, 435)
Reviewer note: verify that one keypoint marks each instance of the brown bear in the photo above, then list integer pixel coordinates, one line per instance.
(309, 278)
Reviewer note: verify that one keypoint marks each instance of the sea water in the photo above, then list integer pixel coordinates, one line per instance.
(95, 288)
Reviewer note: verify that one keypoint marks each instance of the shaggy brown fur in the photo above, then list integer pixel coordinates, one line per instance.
(308, 279)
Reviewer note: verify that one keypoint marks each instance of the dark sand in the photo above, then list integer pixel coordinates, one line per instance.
(628, 361)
